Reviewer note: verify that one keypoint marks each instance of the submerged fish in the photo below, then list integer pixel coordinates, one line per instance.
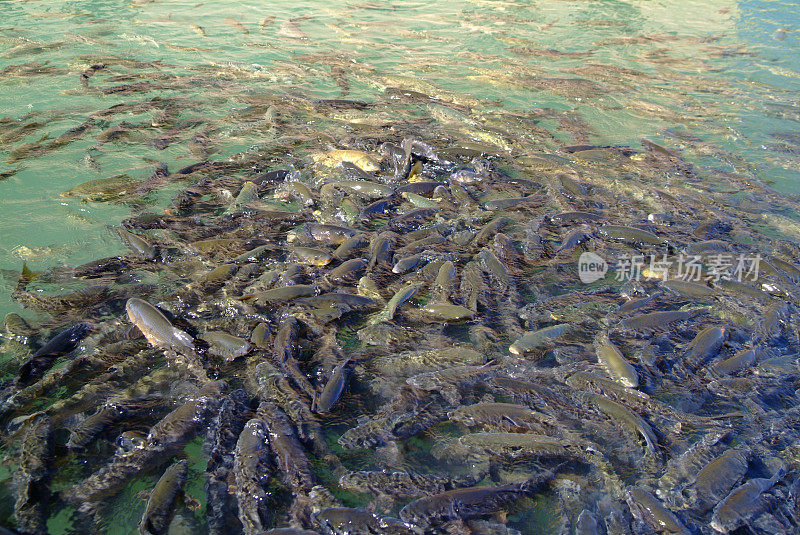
(742, 503)
(535, 339)
(156, 327)
(469, 502)
(31, 479)
(161, 505)
(61, 344)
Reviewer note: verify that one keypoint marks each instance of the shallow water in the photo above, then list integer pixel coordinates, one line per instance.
(723, 73)
(716, 81)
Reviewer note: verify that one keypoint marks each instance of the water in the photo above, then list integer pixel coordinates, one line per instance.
(725, 73)
(715, 80)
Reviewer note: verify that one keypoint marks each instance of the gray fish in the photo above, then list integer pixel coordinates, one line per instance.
(290, 456)
(224, 432)
(64, 342)
(346, 521)
(31, 479)
(251, 469)
(469, 502)
(742, 503)
(109, 414)
(156, 327)
(330, 395)
(652, 511)
(165, 439)
(138, 244)
(161, 505)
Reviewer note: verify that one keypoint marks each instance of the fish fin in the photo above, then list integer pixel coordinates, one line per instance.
(778, 475)
(132, 333)
(26, 274)
(183, 337)
(192, 503)
(510, 420)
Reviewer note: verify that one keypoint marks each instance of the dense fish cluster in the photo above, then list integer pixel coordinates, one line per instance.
(374, 318)
(400, 325)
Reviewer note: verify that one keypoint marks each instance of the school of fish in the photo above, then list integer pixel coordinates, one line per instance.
(376, 324)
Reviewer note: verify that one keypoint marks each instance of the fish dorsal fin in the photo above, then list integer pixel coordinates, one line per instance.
(26, 274)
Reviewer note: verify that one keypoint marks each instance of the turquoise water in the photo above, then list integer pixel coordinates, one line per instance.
(717, 81)
(722, 75)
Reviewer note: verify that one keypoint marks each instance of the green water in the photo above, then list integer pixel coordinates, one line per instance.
(723, 73)
(716, 80)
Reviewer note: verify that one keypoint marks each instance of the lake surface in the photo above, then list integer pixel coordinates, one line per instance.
(717, 82)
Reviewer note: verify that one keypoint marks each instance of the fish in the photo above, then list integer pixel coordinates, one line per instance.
(333, 389)
(289, 454)
(652, 511)
(109, 414)
(61, 344)
(660, 319)
(224, 432)
(236, 24)
(219, 274)
(311, 255)
(157, 329)
(138, 244)
(716, 479)
(397, 300)
(359, 158)
(161, 506)
(342, 520)
(166, 438)
(740, 361)
(630, 234)
(446, 312)
(281, 294)
(32, 477)
(742, 502)
(702, 348)
(251, 469)
(534, 339)
(615, 363)
(515, 445)
(259, 336)
(497, 414)
(348, 271)
(289, 531)
(86, 297)
(460, 504)
(225, 345)
(401, 484)
(623, 416)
